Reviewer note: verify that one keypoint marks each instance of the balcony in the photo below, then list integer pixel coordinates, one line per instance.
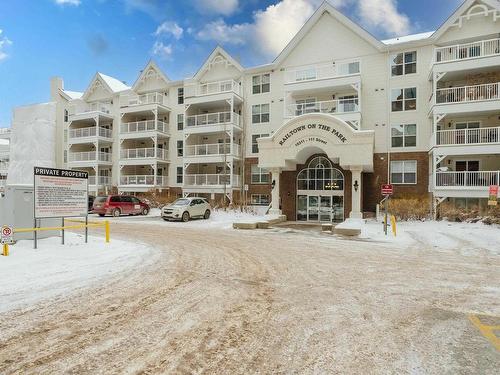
(211, 88)
(101, 180)
(90, 157)
(214, 152)
(477, 98)
(465, 184)
(212, 122)
(466, 51)
(4, 167)
(85, 135)
(138, 154)
(333, 107)
(3, 183)
(142, 129)
(90, 111)
(211, 180)
(5, 133)
(143, 180)
(144, 102)
(473, 136)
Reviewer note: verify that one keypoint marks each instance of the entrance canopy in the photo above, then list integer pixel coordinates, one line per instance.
(299, 138)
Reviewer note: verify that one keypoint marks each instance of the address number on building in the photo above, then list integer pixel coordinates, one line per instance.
(387, 189)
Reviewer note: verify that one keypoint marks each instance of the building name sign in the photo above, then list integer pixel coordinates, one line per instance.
(325, 128)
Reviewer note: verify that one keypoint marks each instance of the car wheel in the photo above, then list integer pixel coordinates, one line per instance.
(101, 215)
(116, 212)
(207, 214)
(185, 217)
(145, 211)
(165, 219)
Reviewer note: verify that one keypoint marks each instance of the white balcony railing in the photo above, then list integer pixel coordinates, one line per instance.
(466, 94)
(323, 71)
(90, 132)
(471, 50)
(149, 98)
(102, 180)
(144, 153)
(210, 180)
(219, 118)
(209, 88)
(468, 136)
(143, 180)
(89, 156)
(143, 126)
(102, 107)
(4, 167)
(211, 149)
(3, 183)
(467, 179)
(327, 106)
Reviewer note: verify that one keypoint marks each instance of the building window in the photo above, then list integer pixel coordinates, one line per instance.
(260, 113)
(179, 175)
(180, 148)
(65, 156)
(66, 115)
(180, 121)
(255, 145)
(259, 175)
(180, 95)
(404, 99)
(404, 172)
(259, 199)
(261, 83)
(404, 135)
(404, 63)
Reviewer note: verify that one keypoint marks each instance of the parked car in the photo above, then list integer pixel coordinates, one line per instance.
(117, 205)
(186, 208)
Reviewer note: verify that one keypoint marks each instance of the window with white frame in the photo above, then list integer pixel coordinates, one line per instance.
(260, 113)
(180, 121)
(404, 135)
(259, 175)
(261, 83)
(404, 63)
(66, 115)
(180, 95)
(179, 175)
(404, 172)
(259, 199)
(404, 99)
(348, 68)
(255, 145)
(180, 148)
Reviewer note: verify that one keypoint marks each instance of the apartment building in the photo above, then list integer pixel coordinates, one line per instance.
(315, 133)
(4, 156)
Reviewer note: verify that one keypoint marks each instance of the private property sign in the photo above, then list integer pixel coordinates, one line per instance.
(60, 193)
(493, 195)
(387, 189)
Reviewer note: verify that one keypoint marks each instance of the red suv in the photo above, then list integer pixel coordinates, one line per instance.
(117, 205)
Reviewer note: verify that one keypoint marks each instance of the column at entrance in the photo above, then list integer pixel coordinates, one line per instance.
(275, 193)
(356, 193)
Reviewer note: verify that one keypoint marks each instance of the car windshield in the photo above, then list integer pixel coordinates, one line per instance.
(181, 202)
(100, 200)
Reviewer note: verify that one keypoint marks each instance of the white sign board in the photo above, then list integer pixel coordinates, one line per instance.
(60, 193)
(6, 235)
(246, 187)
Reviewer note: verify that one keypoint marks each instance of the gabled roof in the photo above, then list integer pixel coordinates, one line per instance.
(114, 84)
(151, 65)
(218, 51)
(111, 84)
(494, 4)
(70, 95)
(328, 8)
(408, 38)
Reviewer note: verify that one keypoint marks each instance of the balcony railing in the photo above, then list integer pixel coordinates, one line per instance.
(143, 126)
(467, 179)
(4, 167)
(466, 94)
(211, 149)
(218, 118)
(3, 183)
(210, 88)
(102, 180)
(471, 50)
(328, 106)
(210, 180)
(144, 153)
(89, 156)
(102, 107)
(149, 98)
(468, 136)
(90, 132)
(323, 71)
(143, 180)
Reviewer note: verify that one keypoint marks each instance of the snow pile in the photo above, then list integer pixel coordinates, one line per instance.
(53, 269)
(32, 141)
(351, 224)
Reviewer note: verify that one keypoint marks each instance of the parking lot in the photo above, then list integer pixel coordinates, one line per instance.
(278, 301)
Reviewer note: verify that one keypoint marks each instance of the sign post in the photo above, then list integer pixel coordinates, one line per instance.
(387, 190)
(493, 195)
(6, 238)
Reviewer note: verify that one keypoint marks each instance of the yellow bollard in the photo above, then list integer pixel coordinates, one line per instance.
(5, 250)
(393, 224)
(106, 228)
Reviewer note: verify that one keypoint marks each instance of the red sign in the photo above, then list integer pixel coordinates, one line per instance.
(493, 195)
(387, 189)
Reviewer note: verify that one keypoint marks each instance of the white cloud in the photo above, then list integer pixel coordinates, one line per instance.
(161, 50)
(4, 42)
(383, 15)
(68, 2)
(223, 33)
(223, 7)
(169, 28)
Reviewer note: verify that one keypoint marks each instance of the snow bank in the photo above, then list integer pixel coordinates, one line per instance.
(30, 275)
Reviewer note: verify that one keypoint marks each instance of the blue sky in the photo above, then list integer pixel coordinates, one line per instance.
(75, 38)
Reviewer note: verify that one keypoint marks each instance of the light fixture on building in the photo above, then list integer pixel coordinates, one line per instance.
(356, 185)
(273, 184)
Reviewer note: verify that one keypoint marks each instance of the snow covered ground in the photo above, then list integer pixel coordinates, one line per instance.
(53, 269)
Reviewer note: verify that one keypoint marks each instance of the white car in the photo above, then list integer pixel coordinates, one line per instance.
(186, 208)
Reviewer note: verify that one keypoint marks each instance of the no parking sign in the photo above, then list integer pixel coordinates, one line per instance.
(6, 235)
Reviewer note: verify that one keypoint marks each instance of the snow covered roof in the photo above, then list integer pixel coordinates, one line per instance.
(73, 94)
(114, 84)
(408, 38)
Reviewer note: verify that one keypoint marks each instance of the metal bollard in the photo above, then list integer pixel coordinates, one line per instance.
(5, 250)
(106, 229)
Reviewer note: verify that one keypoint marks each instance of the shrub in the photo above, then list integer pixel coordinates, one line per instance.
(410, 208)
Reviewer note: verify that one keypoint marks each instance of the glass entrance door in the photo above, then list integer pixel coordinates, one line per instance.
(325, 209)
(312, 208)
(320, 208)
